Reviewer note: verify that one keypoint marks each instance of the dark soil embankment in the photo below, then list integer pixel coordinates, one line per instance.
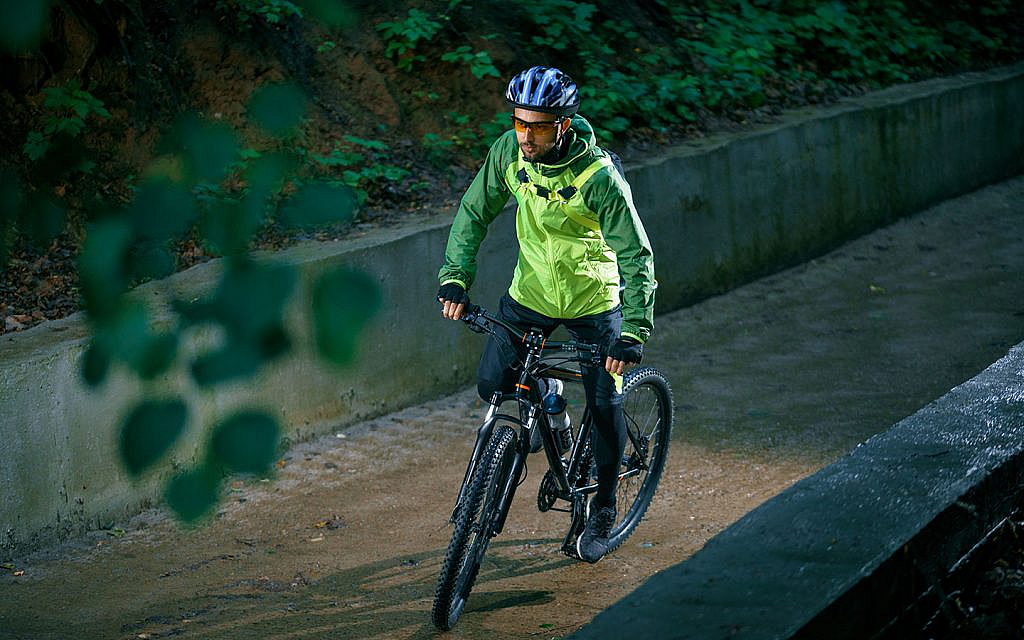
(404, 97)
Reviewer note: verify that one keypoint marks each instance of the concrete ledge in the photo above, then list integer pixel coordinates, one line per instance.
(719, 212)
(843, 553)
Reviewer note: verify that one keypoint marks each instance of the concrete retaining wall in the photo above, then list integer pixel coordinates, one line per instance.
(719, 212)
(915, 499)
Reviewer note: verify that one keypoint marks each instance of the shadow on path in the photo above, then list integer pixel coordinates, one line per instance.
(386, 598)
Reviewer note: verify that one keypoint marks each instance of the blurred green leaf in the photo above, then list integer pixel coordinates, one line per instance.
(95, 364)
(161, 210)
(157, 356)
(193, 494)
(241, 357)
(251, 297)
(273, 342)
(218, 225)
(209, 148)
(194, 312)
(278, 108)
(149, 431)
(43, 219)
(267, 173)
(230, 224)
(319, 204)
(102, 265)
(332, 13)
(246, 442)
(237, 359)
(126, 333)
(344, 300)
(148, 260)
(23, 25)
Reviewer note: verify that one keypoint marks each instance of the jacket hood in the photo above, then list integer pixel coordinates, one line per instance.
(584, 142)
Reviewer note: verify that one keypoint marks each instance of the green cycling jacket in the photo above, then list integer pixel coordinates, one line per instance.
(578, 231)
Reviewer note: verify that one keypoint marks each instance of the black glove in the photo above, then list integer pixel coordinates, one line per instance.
(627, 350)
(453, 291)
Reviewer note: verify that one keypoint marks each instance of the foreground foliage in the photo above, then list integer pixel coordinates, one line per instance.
(648, 71)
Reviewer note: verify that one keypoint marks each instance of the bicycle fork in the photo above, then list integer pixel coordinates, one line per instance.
(511, 481)
(483, 434)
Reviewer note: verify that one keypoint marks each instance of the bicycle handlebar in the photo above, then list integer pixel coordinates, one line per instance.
(477, 318)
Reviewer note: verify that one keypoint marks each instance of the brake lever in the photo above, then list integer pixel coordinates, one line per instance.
(473, 320)
(594, 356)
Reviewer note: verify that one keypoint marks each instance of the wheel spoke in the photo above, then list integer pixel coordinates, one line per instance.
(647, 409)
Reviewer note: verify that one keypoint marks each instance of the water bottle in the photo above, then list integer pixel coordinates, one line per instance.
(554, 406)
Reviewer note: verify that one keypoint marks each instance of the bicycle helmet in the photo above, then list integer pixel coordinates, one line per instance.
(544, 89)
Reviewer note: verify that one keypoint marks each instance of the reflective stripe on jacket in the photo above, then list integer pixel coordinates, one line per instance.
(577, 227)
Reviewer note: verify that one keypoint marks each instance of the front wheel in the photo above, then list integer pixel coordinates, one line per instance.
(474, 525)
(647, 404)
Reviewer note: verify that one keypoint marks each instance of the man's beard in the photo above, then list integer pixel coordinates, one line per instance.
(536, 154)
(550, 153)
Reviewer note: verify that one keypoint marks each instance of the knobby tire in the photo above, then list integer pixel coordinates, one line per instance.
(647, 402)
(473, 524)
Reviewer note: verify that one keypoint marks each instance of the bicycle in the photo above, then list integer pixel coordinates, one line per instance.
(503, 442)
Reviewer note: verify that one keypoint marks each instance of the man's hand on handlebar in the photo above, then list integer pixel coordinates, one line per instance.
(624, 351)
(454, 300)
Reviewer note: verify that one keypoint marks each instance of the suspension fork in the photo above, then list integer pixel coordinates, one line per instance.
(530, 423)
(508, 491)
(483, 434)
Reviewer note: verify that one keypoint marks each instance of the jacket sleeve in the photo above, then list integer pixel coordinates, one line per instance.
(623, 231)
(480, 205)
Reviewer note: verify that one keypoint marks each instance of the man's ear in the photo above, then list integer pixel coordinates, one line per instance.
(565, 126)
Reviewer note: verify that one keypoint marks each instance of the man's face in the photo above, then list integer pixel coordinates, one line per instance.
(535, 141)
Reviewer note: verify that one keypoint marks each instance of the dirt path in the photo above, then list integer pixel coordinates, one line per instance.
(772, 382)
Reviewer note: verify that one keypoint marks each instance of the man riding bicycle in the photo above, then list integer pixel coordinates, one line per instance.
(579, 236)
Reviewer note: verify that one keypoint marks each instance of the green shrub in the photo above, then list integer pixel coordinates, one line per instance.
(403, 37)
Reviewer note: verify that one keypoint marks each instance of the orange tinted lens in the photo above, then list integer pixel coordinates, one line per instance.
(539, 128)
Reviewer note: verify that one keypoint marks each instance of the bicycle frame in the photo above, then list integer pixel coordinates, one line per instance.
(530, 417)
(507, 436)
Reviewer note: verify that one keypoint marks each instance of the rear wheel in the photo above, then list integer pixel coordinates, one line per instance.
(647, 404)
(474, 524)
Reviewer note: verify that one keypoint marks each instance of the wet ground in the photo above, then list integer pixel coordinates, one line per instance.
(772, 382)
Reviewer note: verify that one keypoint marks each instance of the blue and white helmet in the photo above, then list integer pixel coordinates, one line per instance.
(544, 89)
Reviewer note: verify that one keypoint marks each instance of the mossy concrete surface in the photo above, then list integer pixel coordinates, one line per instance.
(719, 212)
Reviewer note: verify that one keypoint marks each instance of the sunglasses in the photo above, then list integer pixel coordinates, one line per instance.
(544, 128)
